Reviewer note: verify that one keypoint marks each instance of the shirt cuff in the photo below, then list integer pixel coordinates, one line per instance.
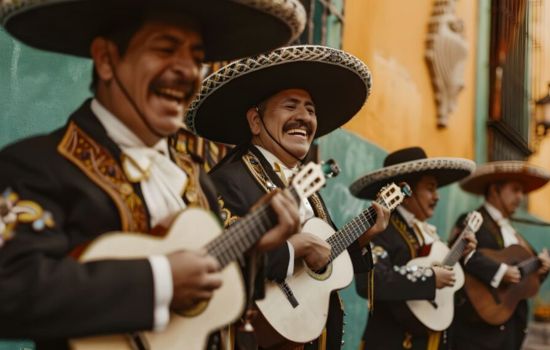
(290, 269)
(497, 278)
(162, 278)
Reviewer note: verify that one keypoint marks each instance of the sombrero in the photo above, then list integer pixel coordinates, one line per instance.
(531, 177)
(410, 162)
(230, 28)
(338, 83)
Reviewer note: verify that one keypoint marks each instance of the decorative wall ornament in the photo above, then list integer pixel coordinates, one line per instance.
(446, 53)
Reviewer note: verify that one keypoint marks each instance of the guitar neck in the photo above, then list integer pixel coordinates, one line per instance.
(244, 233)
(456, 250)
(529, 266)
(342, 239)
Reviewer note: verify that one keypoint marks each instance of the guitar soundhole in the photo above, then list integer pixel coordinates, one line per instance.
(320, 275)
(194, 311)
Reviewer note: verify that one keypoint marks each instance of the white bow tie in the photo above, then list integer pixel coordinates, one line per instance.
(162, 181)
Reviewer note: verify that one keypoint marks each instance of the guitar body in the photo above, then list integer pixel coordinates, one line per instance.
(496, 306)
(305, 321)
(436, 315)
(191, 230)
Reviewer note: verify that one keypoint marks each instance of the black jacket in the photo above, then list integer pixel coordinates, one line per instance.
(240, 187)
(391, 324)
(45, 294)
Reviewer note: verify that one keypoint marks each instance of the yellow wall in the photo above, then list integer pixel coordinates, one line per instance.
(390, 36)
(539, 202)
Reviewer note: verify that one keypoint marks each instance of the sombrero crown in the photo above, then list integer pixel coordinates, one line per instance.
(230, 28)
(531, 177)
(338, 83)
(407, 163)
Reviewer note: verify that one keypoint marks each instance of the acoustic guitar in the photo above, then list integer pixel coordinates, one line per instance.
(296, 310)
(196, 229)
(437, 314)
(496, 305)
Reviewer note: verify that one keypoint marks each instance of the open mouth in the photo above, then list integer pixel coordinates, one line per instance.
(298, 132)
(174, 95)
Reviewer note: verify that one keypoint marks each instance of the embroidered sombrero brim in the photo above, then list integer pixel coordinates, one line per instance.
(531, 177)
(445, 170)
(231, 28)
(338, 83)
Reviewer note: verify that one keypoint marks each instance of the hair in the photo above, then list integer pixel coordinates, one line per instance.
(497, 184)
(122, 33)
(121, 37)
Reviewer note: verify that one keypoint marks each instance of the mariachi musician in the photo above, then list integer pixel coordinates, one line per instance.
(407, 236)
(272, 107)
(503, 184)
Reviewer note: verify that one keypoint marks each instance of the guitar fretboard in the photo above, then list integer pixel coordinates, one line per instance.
(342, 239)
(529, 266)
(244, 233)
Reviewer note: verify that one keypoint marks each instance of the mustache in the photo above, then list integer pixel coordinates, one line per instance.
(296, 124)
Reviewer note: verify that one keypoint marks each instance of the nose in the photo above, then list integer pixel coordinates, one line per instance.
(186, 66)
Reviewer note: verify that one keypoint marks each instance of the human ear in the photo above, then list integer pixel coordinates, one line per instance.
(101, 51)
(253, 118)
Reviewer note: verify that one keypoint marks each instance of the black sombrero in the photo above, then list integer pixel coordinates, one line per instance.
(406, 163)
(230, 28)
(530, 176)
(338, 83)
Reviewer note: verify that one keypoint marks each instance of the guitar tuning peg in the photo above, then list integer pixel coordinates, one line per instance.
(330, 168)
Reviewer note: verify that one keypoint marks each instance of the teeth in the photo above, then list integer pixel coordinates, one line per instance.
(297, 131)
(175, 94)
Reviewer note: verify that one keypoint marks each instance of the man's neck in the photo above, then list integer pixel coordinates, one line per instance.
(281, 157)
(496, 205)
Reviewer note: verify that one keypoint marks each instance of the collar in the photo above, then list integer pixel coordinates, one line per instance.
(494, 213)
(272, 159)
(120, 133)
(407, 215)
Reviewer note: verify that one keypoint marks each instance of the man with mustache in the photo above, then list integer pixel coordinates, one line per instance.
(115, 166)
(504, 185)
(272, 107)
(408, 236)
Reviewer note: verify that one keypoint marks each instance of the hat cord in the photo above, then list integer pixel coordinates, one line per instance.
(274, 140)
(130, 99)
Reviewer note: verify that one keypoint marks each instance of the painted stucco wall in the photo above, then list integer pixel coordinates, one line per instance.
(390, 36)
(540, 201)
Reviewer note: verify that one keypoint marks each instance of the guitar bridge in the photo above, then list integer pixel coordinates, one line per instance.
(289, 294)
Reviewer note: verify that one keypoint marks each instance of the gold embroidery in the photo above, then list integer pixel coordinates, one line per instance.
(227, 217)
(14, 211)
(193, 194)
(258, 172)
(102, 168)
(402, 228)
(318, 207)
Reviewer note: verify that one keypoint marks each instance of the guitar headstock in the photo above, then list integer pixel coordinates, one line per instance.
(312, 177)
(392, 195)
(473, 221)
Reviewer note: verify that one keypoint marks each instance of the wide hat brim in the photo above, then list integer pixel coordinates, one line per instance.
(337, 82)
(446, 170)
(531, 177)
(230, 28)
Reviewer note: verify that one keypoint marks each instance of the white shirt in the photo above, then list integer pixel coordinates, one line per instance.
(305, 210)
(508, 238)
(161, 200)
(428, 231)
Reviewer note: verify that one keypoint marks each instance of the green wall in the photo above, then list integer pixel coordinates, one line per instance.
(38, 90)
